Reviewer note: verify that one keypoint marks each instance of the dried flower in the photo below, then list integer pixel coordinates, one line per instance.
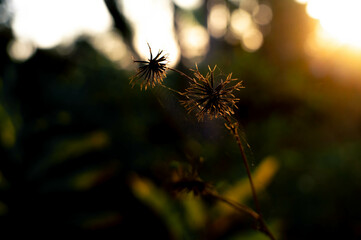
(210, 100)
(151, 72)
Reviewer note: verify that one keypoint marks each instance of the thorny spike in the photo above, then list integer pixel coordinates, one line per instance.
(151, 72)
(209, 100)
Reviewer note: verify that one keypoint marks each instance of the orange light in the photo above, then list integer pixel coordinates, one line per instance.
(338, 19)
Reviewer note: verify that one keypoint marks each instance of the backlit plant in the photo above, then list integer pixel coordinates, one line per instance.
(206, 98)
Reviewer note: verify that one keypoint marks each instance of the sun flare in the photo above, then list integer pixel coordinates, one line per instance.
(340, 20)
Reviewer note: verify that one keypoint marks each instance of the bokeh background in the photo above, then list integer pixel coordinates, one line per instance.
(83, 152)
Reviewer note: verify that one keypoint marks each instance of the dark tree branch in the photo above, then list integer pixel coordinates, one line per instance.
(120, 22)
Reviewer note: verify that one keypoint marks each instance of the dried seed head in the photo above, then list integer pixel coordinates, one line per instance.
(151, 72)
(206, 99)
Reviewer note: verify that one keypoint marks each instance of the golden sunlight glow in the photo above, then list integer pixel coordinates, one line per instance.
(111, 45)
(194, 41)
(218, 20)
(49, 23)
(188, 4)
(262, 14)
(252, 40)
(339, 19)
(327, 55)
(153, 23)
(193, 38)
(248, 5)
(20, 50)
(245, 24)
(334, 47)
(241, 21)
(302, 1)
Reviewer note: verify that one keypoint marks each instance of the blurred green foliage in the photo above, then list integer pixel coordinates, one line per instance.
(83, 152)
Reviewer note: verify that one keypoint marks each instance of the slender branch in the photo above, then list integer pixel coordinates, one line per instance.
(240, 207)
(120, 22)
(245, 162)
(181, 73)
(263, 226)
(171, 89)
(244, 209)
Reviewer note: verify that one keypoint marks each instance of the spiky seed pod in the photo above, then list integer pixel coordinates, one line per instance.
(151, 72)
(206, 99)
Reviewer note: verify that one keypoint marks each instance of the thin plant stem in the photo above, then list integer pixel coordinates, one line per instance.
(172, 90)
(244, 209)
(240, 207)
(235, 133)
(245, 162)
(181, 73)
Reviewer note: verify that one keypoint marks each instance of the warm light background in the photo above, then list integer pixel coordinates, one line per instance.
(84, 154)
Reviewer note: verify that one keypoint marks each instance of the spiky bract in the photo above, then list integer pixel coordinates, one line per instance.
(151, 72)
(207, 98)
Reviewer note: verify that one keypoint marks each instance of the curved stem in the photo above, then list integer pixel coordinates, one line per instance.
(181, 73)
(235, 133)
(244, 209)
(171, 89)
(245, 162)
(240, 207)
